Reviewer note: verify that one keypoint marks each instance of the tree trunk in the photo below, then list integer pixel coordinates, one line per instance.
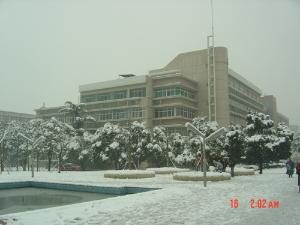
(260, 164)
(2, 165)
(37, 161)
(17, 159)
(59, 159)
(260, 167)
(2, 154)
(28, 166)
(49, 160)
(232, 170)
(24, 163)
(202, 162)
(167, 153)
(129, 156)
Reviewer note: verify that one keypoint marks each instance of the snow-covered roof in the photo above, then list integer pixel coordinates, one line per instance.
(113, 83)
(244, 80)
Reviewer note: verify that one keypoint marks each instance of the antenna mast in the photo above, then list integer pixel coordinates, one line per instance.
(211, 72)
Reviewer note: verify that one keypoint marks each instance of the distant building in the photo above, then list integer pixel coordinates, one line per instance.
(6, 116)
(295, 129)
(283, 118)
(270, 108)
(171, 96)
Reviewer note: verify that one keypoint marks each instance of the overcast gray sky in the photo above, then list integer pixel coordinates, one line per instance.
(49, 47)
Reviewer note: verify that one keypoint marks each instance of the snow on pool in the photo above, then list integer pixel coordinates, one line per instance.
(25, 199)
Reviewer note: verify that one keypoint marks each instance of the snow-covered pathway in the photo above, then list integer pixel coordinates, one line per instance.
(177, 203)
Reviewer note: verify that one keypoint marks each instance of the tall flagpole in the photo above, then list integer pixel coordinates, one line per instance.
(211, 72)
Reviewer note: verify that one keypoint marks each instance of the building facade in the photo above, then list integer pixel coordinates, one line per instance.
(6, 116)
(170, 96)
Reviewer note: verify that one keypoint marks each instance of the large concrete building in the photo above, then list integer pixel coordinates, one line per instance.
(6, 116)
(173, 95)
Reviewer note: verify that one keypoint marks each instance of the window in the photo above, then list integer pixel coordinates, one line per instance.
(138, 92)
(174, 111)
(104, 96)
(118, 114)
(172, 91)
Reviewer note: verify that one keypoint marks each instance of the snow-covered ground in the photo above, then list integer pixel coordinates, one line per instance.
(176, 203)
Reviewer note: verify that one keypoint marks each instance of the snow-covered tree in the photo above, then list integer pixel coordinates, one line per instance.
(214, 149)
(3, 149)
(63, 136)
(259, 131)
(190, 155)
(176, 143)
(56, 134)
(234, 145)
(37, 134)
(79, 150)
(138, 139)
(204, 126)
(109, 144)
(182, 152)
(283, 142)
(78, 114)
(19, 148)
(159, 148)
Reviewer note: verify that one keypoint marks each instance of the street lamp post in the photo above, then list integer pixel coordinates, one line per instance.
(203, 140)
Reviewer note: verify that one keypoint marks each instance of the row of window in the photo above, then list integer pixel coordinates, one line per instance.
(237, 110)
(118, 114)
(246, 98)
(243, 88)
(181, 130)
(174, 111)
(172, 91)
(138, 92)
(104, 96)
(237, 119)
